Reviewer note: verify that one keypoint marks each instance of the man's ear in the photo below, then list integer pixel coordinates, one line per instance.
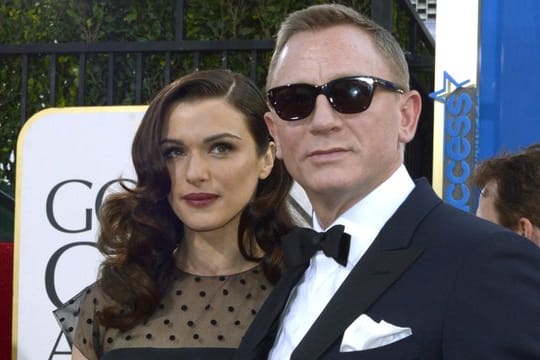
(270, 120)
(268, 161)
(525, 228)
(411, 106)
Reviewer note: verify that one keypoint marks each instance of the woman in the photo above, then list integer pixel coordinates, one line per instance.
(190, 251)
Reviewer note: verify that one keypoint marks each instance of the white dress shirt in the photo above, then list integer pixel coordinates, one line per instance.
(324, 275)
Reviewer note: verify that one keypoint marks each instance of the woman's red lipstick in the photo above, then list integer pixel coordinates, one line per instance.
(200, 199)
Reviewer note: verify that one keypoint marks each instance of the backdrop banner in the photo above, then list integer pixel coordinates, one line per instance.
(455, 119)
(67, 160)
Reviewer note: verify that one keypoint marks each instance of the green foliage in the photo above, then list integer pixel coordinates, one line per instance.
(61, 21)
(9, 119)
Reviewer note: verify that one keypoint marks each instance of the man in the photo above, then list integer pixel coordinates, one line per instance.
(510, 194)
(420, 279)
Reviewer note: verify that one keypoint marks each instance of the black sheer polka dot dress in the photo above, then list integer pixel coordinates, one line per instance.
(201, 317)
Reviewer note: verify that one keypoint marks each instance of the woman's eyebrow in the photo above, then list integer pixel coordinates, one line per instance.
(221, 136)
(206, 140)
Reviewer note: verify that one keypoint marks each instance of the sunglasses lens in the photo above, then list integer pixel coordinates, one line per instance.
(350, 96)
(293, 102)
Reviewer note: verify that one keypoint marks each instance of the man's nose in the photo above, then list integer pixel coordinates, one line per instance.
(324, 117)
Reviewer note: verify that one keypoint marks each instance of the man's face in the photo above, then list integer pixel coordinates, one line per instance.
(339, 158)
(486, 203)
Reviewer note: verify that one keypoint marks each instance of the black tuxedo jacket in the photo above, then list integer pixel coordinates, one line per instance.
(468, 289)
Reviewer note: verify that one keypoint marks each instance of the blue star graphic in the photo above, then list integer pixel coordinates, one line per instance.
(440, 95)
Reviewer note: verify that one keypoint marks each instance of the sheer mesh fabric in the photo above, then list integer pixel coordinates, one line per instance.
(197, 312)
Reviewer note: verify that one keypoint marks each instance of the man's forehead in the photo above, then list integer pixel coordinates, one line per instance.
(316, 57)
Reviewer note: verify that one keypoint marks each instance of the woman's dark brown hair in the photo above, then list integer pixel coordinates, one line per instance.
(139, 231)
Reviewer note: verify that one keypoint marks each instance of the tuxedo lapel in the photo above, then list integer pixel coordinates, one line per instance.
(366, 282)
(261, 334)
(385, 261)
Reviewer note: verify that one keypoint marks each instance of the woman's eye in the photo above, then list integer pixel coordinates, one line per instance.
(221, 148)
(172, 153)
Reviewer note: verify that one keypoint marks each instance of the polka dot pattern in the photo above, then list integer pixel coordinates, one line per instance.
(198, 311)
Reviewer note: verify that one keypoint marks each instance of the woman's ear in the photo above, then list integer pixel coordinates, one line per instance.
(267, 160)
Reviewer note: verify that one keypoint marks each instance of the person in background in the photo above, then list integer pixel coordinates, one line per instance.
(388, 271)
(510, 191)
(191, 250)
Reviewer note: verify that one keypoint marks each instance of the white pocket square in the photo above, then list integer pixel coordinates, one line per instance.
(364, 333)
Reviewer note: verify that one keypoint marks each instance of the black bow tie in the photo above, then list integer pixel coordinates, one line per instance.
(300, 244)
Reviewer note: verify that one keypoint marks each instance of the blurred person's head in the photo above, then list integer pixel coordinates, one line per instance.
(510, 191)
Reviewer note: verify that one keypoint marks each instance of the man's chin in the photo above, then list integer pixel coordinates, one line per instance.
(327, 188)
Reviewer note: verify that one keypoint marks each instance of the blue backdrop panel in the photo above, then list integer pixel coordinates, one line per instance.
(509, 76)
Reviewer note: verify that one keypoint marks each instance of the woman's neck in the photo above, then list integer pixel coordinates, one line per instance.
(211, 253)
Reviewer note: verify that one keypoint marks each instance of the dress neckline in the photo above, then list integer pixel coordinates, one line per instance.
(255, 267)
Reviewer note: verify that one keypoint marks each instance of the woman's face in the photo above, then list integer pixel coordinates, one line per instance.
(213, 163)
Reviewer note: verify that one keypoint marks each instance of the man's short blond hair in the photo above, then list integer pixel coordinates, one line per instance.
(320, 17)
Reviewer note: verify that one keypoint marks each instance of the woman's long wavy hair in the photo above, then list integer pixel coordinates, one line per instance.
(138, 229)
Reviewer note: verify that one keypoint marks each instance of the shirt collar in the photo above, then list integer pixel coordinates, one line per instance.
(364, 220)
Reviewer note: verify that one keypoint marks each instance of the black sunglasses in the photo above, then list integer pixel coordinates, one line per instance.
(347, 95)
